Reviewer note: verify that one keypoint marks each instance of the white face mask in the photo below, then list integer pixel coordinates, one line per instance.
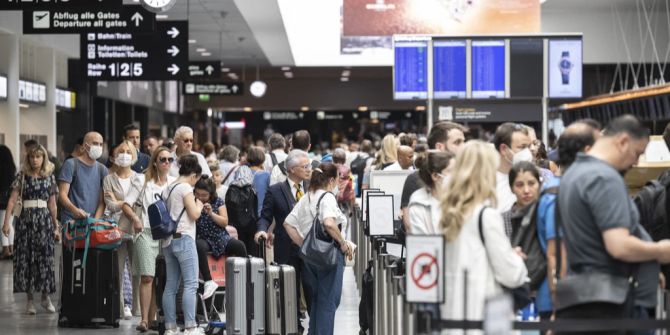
(445, 180)
(124, 160)
(336, 190)
(94, 151)
(522, 156)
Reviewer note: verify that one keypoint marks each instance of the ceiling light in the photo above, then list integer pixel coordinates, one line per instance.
(304, 109)
(206, 54)
(191, 41)
(346, 73)
(161, 16)
(420, 108)
(232, 76)
(225, 69)
(201, 50)
(288, 75)
(286, 68)
(344, 79)
(24, 106)
(258, 88)
(363, 108)
(247, 109)
(209, 112)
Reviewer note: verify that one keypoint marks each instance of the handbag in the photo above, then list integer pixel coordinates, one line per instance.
(318, 251)
(125, 224)
(18, 206)
(590, 287)
(520, 295)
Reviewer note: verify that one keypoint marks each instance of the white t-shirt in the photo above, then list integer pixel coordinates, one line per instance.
(268, 164)
(174, 168)
(396, 167)
(302, 215)
(504, 195)
(175, 204)
(125, 184)
(149, 194)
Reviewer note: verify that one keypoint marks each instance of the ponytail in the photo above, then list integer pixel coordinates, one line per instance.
(321, 176)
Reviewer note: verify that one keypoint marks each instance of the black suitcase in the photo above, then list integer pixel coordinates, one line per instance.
(90, 295)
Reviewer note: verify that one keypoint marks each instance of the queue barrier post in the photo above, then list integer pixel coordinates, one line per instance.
(389, 297)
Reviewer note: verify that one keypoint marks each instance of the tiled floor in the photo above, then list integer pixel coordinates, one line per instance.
(14, 321)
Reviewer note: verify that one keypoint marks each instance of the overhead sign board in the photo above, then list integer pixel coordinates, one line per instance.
(66, 99)
(425, 268)
(204, 69)
(88, 19)
(226, 88)
(3, 87)
(32, 92)
(57, 4)
(162, 55)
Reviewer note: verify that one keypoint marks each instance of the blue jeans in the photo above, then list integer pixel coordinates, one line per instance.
(325, 289)
(181, 260)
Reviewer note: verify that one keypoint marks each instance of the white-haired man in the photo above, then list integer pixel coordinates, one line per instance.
(183, 139)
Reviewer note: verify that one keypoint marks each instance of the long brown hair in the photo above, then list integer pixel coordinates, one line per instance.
(47, 166)
(152, 171)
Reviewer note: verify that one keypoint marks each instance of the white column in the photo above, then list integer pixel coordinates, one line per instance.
(9, 110)
(37, 119)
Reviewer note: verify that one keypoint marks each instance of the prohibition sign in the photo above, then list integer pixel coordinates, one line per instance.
(427, 265)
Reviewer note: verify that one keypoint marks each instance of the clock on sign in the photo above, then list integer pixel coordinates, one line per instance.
(158, 6)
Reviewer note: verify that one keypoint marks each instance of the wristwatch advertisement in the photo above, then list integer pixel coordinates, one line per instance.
(565, 68)
(565, 65)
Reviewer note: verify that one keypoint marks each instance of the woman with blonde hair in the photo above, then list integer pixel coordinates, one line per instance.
(36, 228)
(143, 191)
(482, 263)
(388, 154)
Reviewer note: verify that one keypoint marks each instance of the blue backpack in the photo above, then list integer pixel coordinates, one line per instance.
(162, 224)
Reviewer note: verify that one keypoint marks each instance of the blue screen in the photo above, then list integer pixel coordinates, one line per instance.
(411, 70)
(449, 67)
(488, 69)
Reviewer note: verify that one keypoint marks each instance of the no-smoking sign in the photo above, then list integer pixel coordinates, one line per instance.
(425, 273)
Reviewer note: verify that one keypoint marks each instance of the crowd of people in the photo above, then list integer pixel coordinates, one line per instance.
(482, 196)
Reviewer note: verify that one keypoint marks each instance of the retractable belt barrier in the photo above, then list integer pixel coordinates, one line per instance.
(566, 325)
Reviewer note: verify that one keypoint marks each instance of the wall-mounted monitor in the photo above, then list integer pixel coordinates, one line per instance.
(488, 69)
(66, 99)
(526, 67)
(565, 68)
(410, 69)
(449, 69)
(32, 92)
(3, 87)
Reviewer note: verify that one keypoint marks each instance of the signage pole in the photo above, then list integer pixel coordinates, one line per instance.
(430, 106)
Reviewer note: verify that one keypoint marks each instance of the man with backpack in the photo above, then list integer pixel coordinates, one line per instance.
(361, 162)
(277, 144)
(299, 141)
(80, 181)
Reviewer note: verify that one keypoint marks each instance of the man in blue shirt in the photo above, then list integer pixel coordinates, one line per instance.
(578, 137)
(131, 133)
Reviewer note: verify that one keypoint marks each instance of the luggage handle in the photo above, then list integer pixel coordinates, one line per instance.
(278, 295)
(281, 300)
(250, 302)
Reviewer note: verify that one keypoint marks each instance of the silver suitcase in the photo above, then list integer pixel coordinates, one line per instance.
(245, 296)
(282, 304)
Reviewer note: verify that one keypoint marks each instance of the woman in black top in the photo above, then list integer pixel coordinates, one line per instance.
(7, 174)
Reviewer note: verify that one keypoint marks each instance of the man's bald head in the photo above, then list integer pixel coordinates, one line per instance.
(93, 136)
(577, 137)
(405, 156)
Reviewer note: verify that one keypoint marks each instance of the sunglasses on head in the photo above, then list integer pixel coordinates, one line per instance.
(166, 159)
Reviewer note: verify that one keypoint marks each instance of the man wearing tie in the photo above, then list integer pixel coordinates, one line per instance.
(279, 202)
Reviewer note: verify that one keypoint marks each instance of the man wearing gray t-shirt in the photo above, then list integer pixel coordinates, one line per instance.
(599, 220)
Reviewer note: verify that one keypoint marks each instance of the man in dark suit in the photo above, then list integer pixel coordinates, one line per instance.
(131, 133)
(279, 202)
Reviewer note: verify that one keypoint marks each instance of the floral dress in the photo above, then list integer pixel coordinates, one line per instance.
(34, 238)
(216, 236)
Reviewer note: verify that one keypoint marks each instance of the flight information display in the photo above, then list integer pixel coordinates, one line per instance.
(449, 69)
(410, 78)
(488, 69)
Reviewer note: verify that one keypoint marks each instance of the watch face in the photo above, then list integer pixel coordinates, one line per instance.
(565, 64)
(158, 6)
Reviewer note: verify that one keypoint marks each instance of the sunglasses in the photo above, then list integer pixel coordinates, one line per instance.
(166, 159)
(188, 140)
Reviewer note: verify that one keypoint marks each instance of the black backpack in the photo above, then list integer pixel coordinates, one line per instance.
(652, 202)
(358, 168)
(242, 207)
(365, 307)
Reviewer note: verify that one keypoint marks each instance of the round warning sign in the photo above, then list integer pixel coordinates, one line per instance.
(425, 273)
(425, 270)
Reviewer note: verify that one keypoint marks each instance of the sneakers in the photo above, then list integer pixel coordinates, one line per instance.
(194, 331)
(210, 288)
(30, 308)
(127, 315)
(172, 331)
(46, 303)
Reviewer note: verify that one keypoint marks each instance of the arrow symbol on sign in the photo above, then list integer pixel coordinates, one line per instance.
(209, 69)
(137, 17)
(174, 69)
(174, 51)
(234, 88)
(173, 32)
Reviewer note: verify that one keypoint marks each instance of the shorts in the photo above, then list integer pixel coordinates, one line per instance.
(145, 253)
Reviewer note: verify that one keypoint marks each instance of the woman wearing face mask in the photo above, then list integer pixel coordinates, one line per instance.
(524, 180)
(144, 188)
(116, 187)
(424, 204)
(323, 285)
(181, 256)
(36, 229)
(211, 232)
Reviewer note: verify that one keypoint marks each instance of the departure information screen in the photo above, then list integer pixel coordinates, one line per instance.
(449, 69)
(488, 69)
(410, 70)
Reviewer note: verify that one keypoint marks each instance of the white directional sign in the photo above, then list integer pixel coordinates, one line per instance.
(83, 20)
(123, 56)
(204, 69)
(227, 88)
(425, 268)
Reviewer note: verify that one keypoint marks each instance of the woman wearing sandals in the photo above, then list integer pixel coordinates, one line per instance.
(36, 228)
(142, 194)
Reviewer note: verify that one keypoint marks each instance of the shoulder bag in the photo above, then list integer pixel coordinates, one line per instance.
(18, 206)
(315, 250)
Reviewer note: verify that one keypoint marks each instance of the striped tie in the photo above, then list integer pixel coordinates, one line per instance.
(298, 192)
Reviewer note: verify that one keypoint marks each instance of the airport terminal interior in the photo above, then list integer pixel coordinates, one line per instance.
(334, 167)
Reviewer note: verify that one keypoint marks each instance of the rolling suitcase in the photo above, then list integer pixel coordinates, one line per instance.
(90, 295)
(282, 306)
(245, 296)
